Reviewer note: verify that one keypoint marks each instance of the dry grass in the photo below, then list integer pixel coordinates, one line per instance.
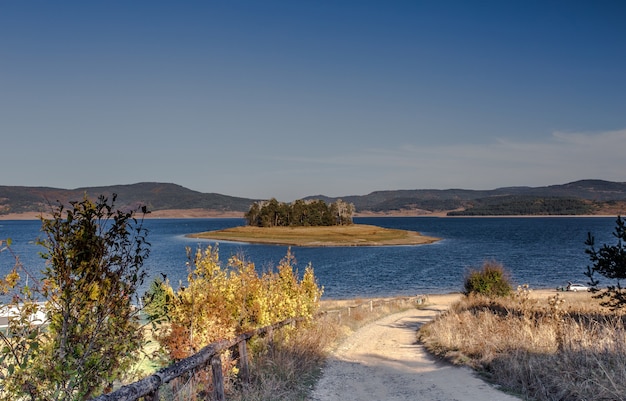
(352, 235)
(282, 369)
(289, 369)
(286, 368)
(544, 349)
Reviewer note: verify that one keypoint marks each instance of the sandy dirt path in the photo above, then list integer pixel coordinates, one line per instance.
(383, 361)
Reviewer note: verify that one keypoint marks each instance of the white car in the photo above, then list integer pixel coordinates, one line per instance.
(576, 287)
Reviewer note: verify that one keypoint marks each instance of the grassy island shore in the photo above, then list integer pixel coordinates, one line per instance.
(352, 235)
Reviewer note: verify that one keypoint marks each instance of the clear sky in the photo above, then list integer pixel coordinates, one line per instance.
(292, 98)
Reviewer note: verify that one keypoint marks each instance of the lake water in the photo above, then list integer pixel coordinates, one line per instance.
(541, 252)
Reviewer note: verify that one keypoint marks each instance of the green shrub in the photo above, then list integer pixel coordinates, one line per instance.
(492, 280)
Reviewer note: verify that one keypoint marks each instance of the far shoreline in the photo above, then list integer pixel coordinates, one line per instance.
(211, 214)
(534, 293)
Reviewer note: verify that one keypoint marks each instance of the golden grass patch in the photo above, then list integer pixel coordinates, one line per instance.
(564, 346)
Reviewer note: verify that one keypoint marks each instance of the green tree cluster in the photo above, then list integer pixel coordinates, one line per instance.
(299, 213)
(76, 331)
(525, 205)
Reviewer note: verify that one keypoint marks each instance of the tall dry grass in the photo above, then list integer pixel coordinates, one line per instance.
(287, 367)
(543, 349)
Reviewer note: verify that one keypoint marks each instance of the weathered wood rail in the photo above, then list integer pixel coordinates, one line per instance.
(148, 388)
(371, 305)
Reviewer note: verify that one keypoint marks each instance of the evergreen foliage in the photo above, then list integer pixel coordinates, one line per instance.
(299, 213)
(491, 280)
(524, 205)
(156, 299)
(610, 262)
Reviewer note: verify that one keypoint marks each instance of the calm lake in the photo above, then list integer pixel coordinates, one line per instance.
(541, 252)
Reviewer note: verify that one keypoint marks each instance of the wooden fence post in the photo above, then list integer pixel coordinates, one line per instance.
(148, 388)
(218, 378)
(244, 370)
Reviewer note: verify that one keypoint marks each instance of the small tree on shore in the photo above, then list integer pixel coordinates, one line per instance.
(610, 262)
(93, 335)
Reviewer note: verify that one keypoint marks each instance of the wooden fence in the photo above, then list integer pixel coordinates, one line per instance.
(371, 305)
(148, 388)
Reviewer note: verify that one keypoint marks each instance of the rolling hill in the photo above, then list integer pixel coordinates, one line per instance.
(575, 198)
(156, 196)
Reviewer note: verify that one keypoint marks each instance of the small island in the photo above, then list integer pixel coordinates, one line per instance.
(311, 223)
(347, 235)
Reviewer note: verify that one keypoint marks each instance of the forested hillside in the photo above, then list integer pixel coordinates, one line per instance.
(575, 198)
(156, 196)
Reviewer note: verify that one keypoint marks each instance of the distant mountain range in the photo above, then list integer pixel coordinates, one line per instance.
(156, 196)
(575, 198)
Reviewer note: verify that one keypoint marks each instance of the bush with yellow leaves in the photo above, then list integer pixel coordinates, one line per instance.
(222, 302)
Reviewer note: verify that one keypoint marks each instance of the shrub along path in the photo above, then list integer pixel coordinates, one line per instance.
(383, 361)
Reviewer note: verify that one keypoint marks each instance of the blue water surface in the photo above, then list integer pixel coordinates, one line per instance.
(542, 252)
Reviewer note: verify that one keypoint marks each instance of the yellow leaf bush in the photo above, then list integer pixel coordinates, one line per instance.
(221, 302)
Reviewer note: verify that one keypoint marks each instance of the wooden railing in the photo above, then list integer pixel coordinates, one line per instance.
(148, 388)
(371, 305)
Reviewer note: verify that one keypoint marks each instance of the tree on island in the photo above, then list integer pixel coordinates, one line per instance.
(300, 213)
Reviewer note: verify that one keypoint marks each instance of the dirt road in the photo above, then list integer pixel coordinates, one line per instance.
(382, 361)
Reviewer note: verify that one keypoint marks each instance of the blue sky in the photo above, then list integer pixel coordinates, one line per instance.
(288, 99)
